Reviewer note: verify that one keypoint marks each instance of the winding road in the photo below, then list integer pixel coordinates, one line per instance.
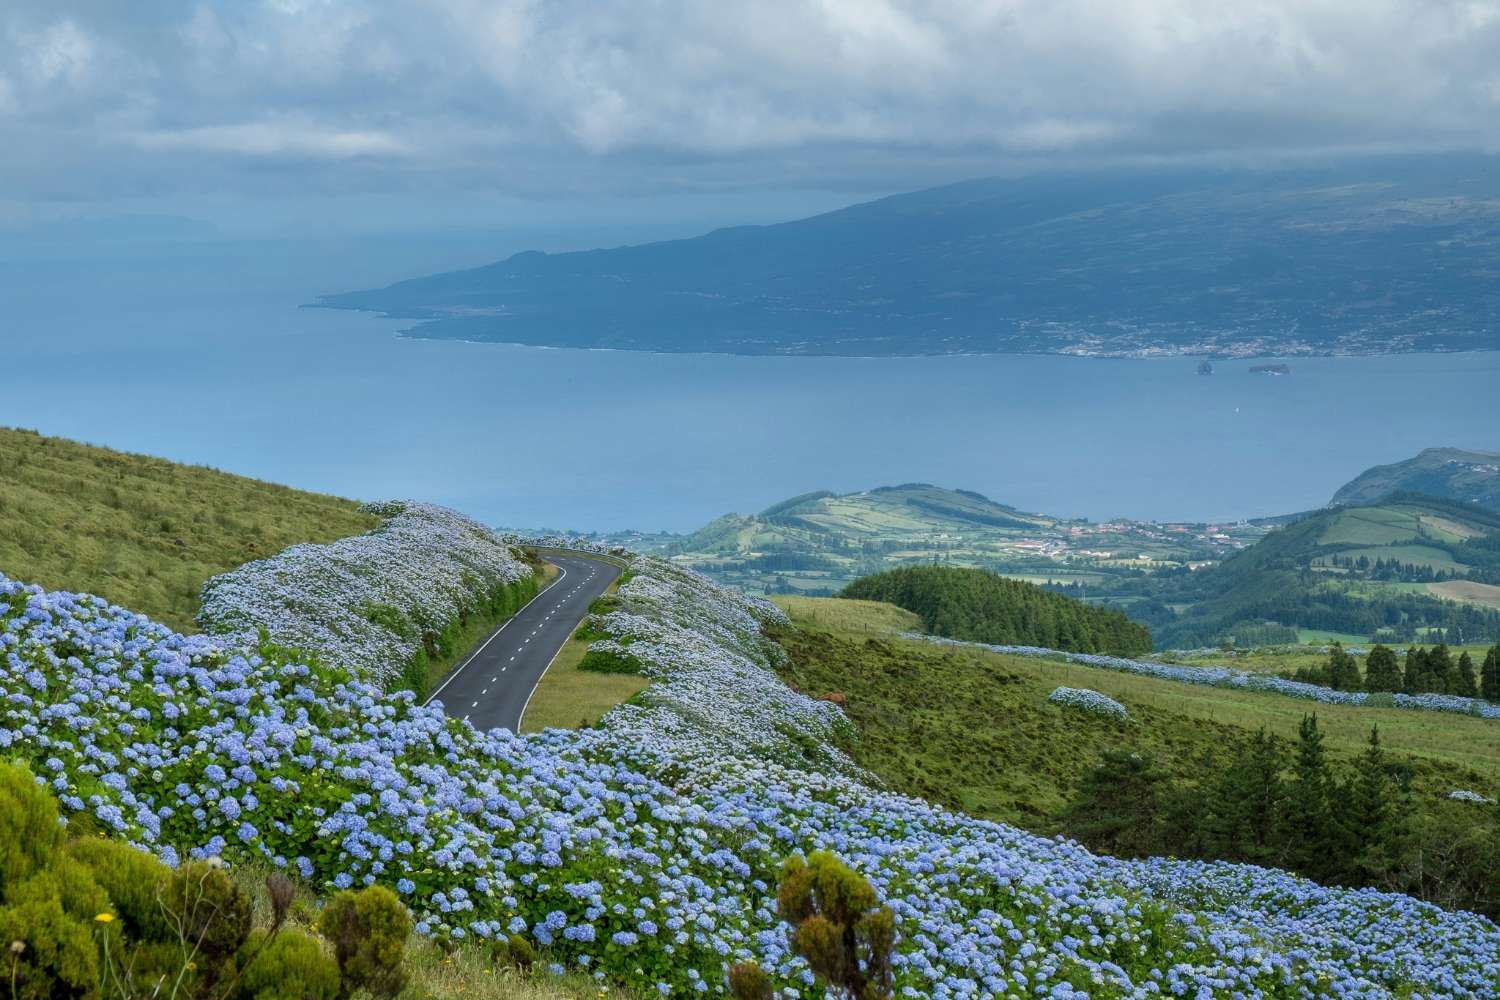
(492, 687)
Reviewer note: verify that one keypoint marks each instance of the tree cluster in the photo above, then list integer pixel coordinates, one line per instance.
(1421, 671)
(979, 606)
(1288, 806)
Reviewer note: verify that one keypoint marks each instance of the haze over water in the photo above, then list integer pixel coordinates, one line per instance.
(200, 353)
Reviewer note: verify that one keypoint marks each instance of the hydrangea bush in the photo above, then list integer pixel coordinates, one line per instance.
(1240, 679)
(646, 849)
(1088, 701)
(370, 601)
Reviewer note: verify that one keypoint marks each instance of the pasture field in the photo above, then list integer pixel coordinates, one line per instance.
(144, 532)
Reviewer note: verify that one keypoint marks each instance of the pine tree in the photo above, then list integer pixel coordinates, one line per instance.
(1464, 681)
(1343, 673)
(1245, 805)
(1309, 828)
(1382, 671)
(1365, 814)
(1440, 669)
(1490, 676)
(1416, 667)
(1117, 805)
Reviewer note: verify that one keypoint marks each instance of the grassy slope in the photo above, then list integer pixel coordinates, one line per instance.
(973, 730)
(144, 532)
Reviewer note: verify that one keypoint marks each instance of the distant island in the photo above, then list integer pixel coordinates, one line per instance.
(1270, 369)
(1368, 257)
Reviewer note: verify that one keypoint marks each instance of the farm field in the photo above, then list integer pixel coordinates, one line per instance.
(1470, 592)
(145, 532)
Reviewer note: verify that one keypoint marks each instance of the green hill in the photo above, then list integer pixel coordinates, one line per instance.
(1449, 473)
(982, 607)
(819, 542)
(144, 532)
(1363, 571)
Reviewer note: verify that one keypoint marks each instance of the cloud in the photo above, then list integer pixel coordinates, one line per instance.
(552, 96)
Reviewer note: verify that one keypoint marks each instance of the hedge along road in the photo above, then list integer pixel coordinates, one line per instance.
(492, 686)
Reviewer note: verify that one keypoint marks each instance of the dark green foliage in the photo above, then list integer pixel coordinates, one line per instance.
(609, 661)
(748, 981)
(980, 606)
(1490, 675)
(368, 929)
(289, 966)
(1117, 807)
(1343, 672)
(1382, 670)
(1465, 683)
(838, 925)
(514, 952)
(210, 913)
(1308, 814)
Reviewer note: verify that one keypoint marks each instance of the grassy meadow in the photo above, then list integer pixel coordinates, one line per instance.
(144, 532)
(973, 730)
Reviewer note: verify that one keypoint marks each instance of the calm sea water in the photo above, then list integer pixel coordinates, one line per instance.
(201, 354)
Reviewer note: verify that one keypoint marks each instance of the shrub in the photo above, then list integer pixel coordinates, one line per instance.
(57, 955)
(134, 881)
(209, 914)
(29, 833)
(290, 966)
(838, 925)
(1088, 701)
(608, 658)
(513, 952)
(748, 981)
(368, 929)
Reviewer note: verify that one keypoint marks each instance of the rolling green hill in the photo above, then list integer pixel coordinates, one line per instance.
(144, 532)
(1372, 572)
(818, 543)
(971, 604)
(1448, 473)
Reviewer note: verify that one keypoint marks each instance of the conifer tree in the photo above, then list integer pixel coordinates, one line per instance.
(1440, 670)
(1465, 682)
(1365, 814)
(1382, 671)
(1490, 675)
(1343, 673)
(1416, 666)
(1309, 817)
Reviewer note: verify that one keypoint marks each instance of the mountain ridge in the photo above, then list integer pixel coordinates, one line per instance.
(1128, 263)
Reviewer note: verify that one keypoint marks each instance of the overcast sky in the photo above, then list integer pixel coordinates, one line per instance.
(241, 109)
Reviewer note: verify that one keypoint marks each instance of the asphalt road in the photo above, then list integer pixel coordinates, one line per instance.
(491, 687)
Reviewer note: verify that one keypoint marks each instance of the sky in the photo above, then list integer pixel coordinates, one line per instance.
(351, 115)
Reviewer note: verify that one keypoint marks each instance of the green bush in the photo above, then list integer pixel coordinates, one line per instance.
(514, 952)
(135, 882)
(210, 915)
(368, 929)
(608, 661)
(289, 966)
(53, 953)
(29, 831)
(838, 925)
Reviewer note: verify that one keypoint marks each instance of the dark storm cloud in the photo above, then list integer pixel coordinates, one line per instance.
(102, 100)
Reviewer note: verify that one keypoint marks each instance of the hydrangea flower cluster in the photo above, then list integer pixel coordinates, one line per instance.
(646, 850)
(1089, 701)
(367, 600)
(1464, 795)
(1240, 679)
